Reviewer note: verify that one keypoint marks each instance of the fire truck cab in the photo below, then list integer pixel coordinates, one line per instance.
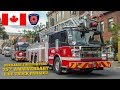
(18, 52)
(74, 49)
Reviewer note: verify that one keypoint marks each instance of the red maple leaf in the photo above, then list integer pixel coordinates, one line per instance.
(13, 19)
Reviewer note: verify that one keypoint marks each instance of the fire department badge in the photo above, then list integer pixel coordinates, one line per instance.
(33, 18)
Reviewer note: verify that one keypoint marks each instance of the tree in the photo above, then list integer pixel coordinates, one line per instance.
(115, 34)
(24, 31)
(31, 34)
(3, 34)
(39, 27)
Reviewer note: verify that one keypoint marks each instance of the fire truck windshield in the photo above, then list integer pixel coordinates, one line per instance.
(7, 49)
(21, 47)
(82, 38)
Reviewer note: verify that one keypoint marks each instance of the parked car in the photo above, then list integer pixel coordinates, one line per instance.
(7, 52)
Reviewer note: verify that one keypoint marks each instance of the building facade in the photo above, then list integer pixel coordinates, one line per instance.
(55, 17)
(109, 17)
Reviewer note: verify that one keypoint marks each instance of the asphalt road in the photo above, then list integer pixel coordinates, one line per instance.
(111, 73)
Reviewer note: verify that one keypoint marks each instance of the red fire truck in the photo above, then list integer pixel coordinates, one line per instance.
(18, 51)
(74, 44)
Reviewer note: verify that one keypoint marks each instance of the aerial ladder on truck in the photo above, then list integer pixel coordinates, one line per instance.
(41, 50)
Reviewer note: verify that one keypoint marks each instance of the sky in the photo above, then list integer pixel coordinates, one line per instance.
(18, 29)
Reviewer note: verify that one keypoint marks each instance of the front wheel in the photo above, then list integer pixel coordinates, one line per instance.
(57, 66)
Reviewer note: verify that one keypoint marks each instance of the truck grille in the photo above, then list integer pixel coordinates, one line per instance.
(90, 52)
(90, 49)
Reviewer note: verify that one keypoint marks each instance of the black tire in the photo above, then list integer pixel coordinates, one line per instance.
(35, 59)
(87, 71)
(57, 69)
(31, 58)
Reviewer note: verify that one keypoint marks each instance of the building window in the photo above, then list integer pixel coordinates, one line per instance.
(57, 17)
(91, 13)
(51, 21)
(62, 14)
(47, 24)
(110, 41)
(63, 37)
(110, 23)
(72, 12)
(102, 26)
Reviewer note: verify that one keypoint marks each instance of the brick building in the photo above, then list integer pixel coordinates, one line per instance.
(109, 17)
(55, 17)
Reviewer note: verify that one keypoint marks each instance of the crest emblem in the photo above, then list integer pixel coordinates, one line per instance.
(33, 18)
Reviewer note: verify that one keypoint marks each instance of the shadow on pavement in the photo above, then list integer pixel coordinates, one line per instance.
(101, 74)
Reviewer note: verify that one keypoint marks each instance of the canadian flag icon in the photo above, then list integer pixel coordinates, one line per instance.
(14, 19)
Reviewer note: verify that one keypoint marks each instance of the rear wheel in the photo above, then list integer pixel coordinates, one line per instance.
(57, 66)
(35, 59)
(31, 58)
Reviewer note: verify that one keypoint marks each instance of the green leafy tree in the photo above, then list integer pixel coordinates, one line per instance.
(115, 29)
(31, 34)
(3, 34)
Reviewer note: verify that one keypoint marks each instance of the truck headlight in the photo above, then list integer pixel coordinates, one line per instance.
(75, 53)
(20, 54)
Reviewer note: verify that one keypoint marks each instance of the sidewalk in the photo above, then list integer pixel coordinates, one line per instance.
(115, 64)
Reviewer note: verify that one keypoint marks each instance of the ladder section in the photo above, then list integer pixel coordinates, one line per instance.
(72, 22)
